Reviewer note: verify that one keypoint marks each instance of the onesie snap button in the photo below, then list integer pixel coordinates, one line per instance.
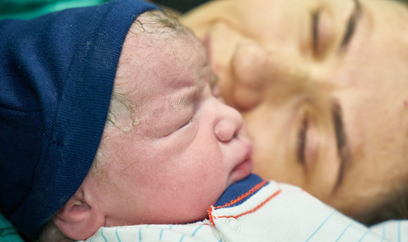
(234, 224)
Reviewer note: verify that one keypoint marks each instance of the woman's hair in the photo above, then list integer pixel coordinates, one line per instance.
(393, 208)
(403, 1)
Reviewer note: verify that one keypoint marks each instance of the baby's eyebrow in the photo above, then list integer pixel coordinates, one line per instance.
(189, 97)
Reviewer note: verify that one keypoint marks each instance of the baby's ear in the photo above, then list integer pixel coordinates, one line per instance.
(79, 219)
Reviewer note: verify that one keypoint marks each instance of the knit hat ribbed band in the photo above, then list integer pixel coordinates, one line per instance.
(56, 81)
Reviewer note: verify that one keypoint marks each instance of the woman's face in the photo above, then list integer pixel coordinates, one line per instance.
(323, 88)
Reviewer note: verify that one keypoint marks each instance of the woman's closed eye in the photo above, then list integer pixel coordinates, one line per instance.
(307, 141)
(321, 32)
(315, 32)
(301, 144)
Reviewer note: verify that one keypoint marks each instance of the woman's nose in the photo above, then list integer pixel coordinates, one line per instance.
(249, 71)
(229, 123)
(257, 72)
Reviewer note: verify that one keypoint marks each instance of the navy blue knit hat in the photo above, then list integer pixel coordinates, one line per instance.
(56, 80)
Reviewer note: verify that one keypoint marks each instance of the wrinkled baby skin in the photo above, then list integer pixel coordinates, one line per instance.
(169, 148)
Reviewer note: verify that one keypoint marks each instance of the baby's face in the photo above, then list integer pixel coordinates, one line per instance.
(185, 147)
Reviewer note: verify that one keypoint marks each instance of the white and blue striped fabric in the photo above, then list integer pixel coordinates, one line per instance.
(269, 212)
(395, 230)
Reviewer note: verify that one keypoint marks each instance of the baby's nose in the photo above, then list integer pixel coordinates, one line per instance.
(229, 125)
(225, 130)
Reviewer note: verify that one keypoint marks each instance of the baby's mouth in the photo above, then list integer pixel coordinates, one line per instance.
(244, 168)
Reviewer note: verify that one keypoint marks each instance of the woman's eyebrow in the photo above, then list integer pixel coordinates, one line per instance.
(352, 24)
(343, 149)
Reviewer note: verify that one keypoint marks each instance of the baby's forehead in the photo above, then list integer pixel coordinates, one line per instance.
(159, 58)
(159, 63)
(155, 29)
(158, 46)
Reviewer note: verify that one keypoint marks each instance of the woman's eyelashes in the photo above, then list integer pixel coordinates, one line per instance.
(308, 140)
(321, 32)
(315, 32)
(301, 140)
